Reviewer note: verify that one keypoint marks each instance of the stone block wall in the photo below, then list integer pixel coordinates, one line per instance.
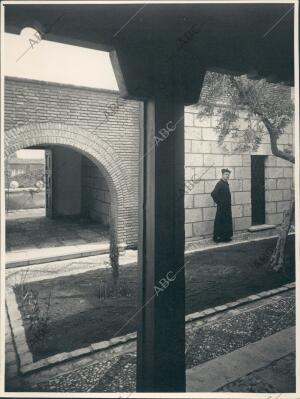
(204, 159)
(279, 183)
(106, 129)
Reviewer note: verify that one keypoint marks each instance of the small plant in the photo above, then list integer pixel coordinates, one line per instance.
(38, 318)
(108, 289)
(125, 290)
(23, 287)
(102, 291)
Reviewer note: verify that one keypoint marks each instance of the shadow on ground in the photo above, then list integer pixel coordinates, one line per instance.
(78, 317)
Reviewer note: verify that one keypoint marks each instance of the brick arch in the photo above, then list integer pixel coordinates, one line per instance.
(98, 151)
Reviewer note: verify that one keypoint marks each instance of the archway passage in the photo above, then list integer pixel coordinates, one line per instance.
(95, 149)
(77, 202)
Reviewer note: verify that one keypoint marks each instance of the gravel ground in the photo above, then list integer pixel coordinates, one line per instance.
(121, 377)
(203, 344)
(222, 337)
(81, 380)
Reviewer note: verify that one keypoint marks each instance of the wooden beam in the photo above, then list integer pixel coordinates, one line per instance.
(161, 333)
(131, 73)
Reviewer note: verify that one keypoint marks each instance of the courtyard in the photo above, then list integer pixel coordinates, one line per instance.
(219, 322)
(150, 198)
(82, 302)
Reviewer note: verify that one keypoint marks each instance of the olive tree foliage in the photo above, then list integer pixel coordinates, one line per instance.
(266, 109)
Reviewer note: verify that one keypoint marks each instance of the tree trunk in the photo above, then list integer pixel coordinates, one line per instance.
(114, 254)
(276, 262)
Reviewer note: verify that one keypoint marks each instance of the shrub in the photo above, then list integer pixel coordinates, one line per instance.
(108, 289)
(37, 318)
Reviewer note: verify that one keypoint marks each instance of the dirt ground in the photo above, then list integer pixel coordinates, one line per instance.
(78, 317)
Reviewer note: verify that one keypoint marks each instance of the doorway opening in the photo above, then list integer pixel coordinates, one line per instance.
(258, 202)
(25, 183)
(65, 202)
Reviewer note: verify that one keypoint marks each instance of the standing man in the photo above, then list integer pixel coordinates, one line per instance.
(223, 220)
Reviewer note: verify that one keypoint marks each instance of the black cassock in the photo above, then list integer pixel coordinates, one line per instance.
(223, 220)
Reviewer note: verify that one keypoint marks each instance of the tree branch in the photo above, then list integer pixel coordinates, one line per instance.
(273, 133)
(274, 147)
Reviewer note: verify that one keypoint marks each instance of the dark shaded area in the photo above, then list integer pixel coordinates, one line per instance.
(258, 192)
(225, 274)
(214, 277)
(237, 37)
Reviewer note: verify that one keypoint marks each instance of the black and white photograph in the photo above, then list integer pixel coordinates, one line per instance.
(149, 199)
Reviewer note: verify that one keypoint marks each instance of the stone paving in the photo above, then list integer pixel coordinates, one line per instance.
(223, 370)
(64, 268)
(12, 378)
(115, 371)
(35, 231)
(278, 376)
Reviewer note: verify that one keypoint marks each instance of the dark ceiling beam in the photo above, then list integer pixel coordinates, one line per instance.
(232, 37)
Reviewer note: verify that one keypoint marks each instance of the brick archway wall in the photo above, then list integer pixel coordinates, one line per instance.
(98, 151)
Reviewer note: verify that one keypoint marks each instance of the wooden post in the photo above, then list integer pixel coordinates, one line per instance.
(161, 334)
(161, 307)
